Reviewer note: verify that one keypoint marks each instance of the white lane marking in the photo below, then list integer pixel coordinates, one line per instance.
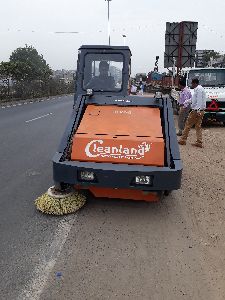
(44, 116)
(35, 287)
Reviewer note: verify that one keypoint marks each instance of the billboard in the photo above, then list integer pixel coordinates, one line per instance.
(180, 43)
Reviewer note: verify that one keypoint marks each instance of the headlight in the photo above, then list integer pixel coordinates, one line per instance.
(89, 92)
(143, 180)
(86, 176)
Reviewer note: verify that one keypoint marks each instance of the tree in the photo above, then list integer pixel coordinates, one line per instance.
(25, 64)
(207, 55)
(29, 70)
(5, 70)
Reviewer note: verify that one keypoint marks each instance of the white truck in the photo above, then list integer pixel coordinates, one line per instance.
(213, 80)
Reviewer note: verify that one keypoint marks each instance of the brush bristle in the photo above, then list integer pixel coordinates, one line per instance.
(53, 206)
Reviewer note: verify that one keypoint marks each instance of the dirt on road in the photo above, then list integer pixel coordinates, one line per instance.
(174, 249)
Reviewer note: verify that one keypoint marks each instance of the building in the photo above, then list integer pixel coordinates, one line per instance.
(200, 61)
(116, 73)
(141, 77)
(218, 62)
(209, 58)
(64, 75)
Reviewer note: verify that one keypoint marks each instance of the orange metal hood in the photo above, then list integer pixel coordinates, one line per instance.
(130, 135)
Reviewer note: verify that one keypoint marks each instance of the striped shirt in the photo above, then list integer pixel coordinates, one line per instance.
(184, 96)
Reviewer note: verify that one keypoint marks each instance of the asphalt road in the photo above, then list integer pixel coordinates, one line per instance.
(26, 149)
(111, 249)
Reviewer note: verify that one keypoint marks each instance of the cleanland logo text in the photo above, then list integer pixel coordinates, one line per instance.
(96, 148)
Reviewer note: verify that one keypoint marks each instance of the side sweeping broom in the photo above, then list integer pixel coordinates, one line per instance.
(56, 202)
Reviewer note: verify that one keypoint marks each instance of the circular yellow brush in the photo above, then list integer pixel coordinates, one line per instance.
(60, 202)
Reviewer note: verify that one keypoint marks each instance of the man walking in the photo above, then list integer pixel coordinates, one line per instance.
(184, 108)
(141, 92)
(198, 105)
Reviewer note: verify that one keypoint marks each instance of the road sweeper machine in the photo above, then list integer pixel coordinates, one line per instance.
(116, 145)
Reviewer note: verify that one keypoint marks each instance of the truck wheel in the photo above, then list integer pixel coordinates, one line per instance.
(166, 193)
(61, 186)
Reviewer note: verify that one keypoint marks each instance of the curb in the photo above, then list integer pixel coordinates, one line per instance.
(30, 101)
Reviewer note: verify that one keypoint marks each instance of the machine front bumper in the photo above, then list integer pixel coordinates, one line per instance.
(110, 175)
(217, 115)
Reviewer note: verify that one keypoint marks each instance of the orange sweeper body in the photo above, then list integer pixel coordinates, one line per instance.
(117, 145)
(115, 134)
(125, 135)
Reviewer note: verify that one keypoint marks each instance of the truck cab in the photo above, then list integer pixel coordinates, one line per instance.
(213, 81)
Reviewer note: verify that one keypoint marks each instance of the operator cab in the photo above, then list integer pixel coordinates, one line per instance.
(103, 70)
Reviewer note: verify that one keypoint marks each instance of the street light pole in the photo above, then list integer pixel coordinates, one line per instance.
(124, 39)
(108, 22)
(174, 71)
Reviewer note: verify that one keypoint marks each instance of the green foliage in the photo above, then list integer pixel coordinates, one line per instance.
(5, 69)
(25, 64)
(31, 76)
(208, 55)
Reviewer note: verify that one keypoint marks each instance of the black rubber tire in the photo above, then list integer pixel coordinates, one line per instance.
(61, 186)
(167, 193)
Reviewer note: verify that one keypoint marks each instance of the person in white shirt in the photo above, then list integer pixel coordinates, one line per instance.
(184, 107)
(198, 105)
(141, 92)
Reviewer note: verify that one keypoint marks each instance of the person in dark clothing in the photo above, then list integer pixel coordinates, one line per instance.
(103, 81)
(184, 108)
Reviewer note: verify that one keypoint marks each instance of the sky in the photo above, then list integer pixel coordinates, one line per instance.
(34, 22)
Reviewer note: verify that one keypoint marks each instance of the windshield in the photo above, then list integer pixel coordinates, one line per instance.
(208, 77)
(103, 72)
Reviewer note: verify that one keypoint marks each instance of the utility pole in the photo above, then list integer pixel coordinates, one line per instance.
(108, 22)
(124, 39)
(156, 68)
(174, 71)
